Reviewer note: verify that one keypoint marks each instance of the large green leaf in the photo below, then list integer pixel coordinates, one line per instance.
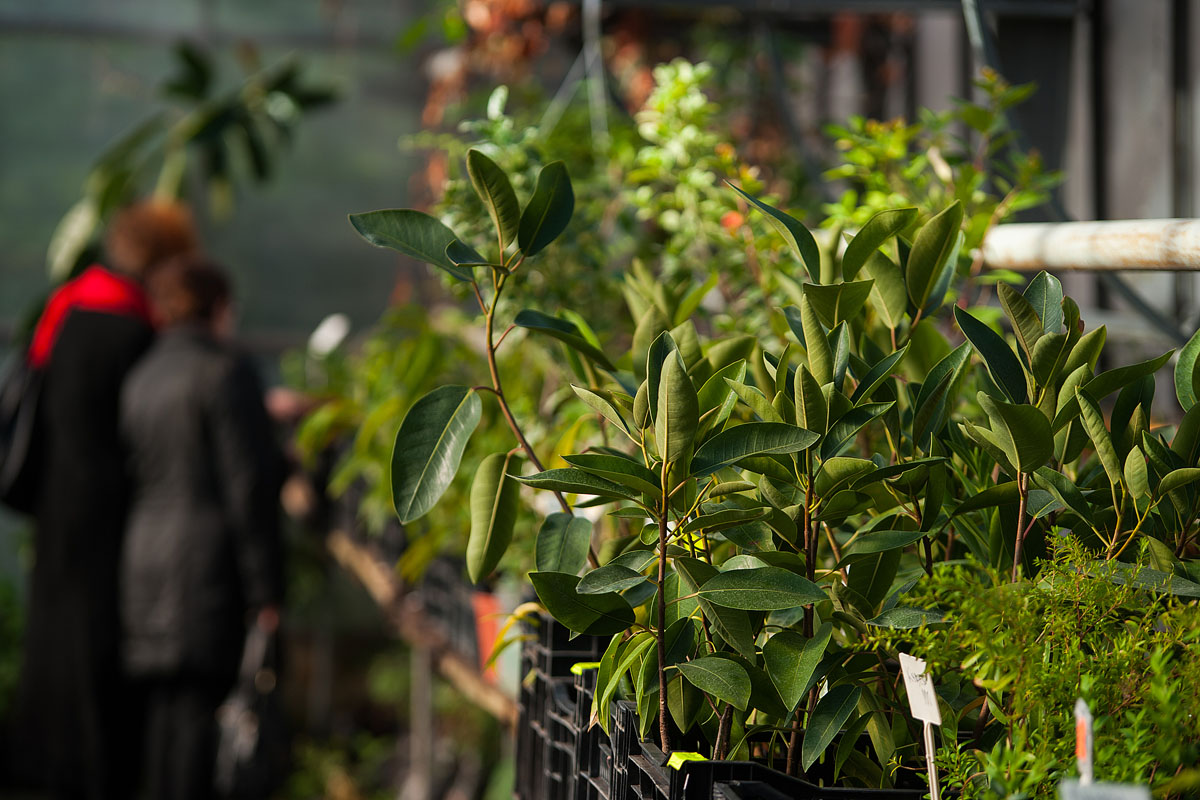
(413, 233)
(678, 414)
(562, 543)
(820, 355)
(609, 578)
(878, 230)
(623, 661)
(1045, 294)
(827, 719)
(494, 502)
(882, 541)
(812, 412)
(493, 188)
(718, 677)
(579, 482)
(906, 617)
(849, 424)
(835, 473)
(792, 662)
(1025, 321)
(998, 357)
(723, 519)
(716, 398)
(877, 375)
(761, 589)
(930, 408)
(549, 210)
(758, 403)
(603, 405)
(1106, 451)
(1177, 479)
(1021, 430)
(1064, 490)
(889, 295)
(752, 439)
(429, 447)
(795, 234)
(1186, 374)
(618, 470)
(593, 614)
(931, 251)
(732, 624)
(838, 301)
(566, 332)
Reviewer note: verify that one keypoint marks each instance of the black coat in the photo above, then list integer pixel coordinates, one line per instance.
(202, 546)
(71, 718)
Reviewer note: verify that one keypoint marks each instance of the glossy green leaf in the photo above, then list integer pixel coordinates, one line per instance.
(594, 615)
(662, 348)
(830, 714)
(792, 662)
(752, 439)
(602, 405)
(623, 660)
(878, 373)
(812, 413)
(878, 230)
(1064, 490)
(493, 188)
(1026, 324)
(1045, 295)
(762, 589)
(904, 618)
(564, 331)
(494, 503)
(838, 472)
(1022, 431)
(562, 543)
(845, 428)
(839, 346)
(801, 242)
(1137, 478)
(1086, 350)
(931, 250)
(718, 677)
(1186, 374)
(413, 233)
(678, 414)
(889, 295)
(722, 519)
(429, 448)
(549, 210)
(838, 301)
(998, 495)
(1049, 354)
(882, 541)
(609, 578)
(579, 482)
(998, 357)
(820, 356)
(1177, 479)
(618, 470)
(930, 407)
(759, 404)
(1106, 451)
(733, 625)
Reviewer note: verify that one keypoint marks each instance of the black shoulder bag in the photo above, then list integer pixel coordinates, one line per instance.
(254, 749)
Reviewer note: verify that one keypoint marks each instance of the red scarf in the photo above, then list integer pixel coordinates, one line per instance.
(96, 289)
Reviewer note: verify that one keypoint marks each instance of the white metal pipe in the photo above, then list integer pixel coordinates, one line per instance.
(1137, 244)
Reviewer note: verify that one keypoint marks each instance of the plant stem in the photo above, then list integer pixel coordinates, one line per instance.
(489, 328)
(1023, 492)
(664, 733)
(810, 556)
(721, 748)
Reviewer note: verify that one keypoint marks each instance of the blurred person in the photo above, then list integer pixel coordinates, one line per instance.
(202, 553)
(72, 724)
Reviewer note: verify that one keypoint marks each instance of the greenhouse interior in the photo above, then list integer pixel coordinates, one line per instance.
(599, 399)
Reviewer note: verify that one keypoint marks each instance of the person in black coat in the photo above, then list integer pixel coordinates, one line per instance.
(71, 723)
(202, 550)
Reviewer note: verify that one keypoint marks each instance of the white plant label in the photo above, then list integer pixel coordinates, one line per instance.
(1083, 741)
(922, 699)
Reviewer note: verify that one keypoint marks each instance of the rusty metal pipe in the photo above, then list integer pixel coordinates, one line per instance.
(1168, 245)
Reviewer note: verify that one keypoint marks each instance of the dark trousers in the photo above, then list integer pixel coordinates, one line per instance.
(181, 737)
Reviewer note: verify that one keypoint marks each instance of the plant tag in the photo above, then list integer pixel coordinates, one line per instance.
(1083, 741)
(922, 699)
(1077, 790)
